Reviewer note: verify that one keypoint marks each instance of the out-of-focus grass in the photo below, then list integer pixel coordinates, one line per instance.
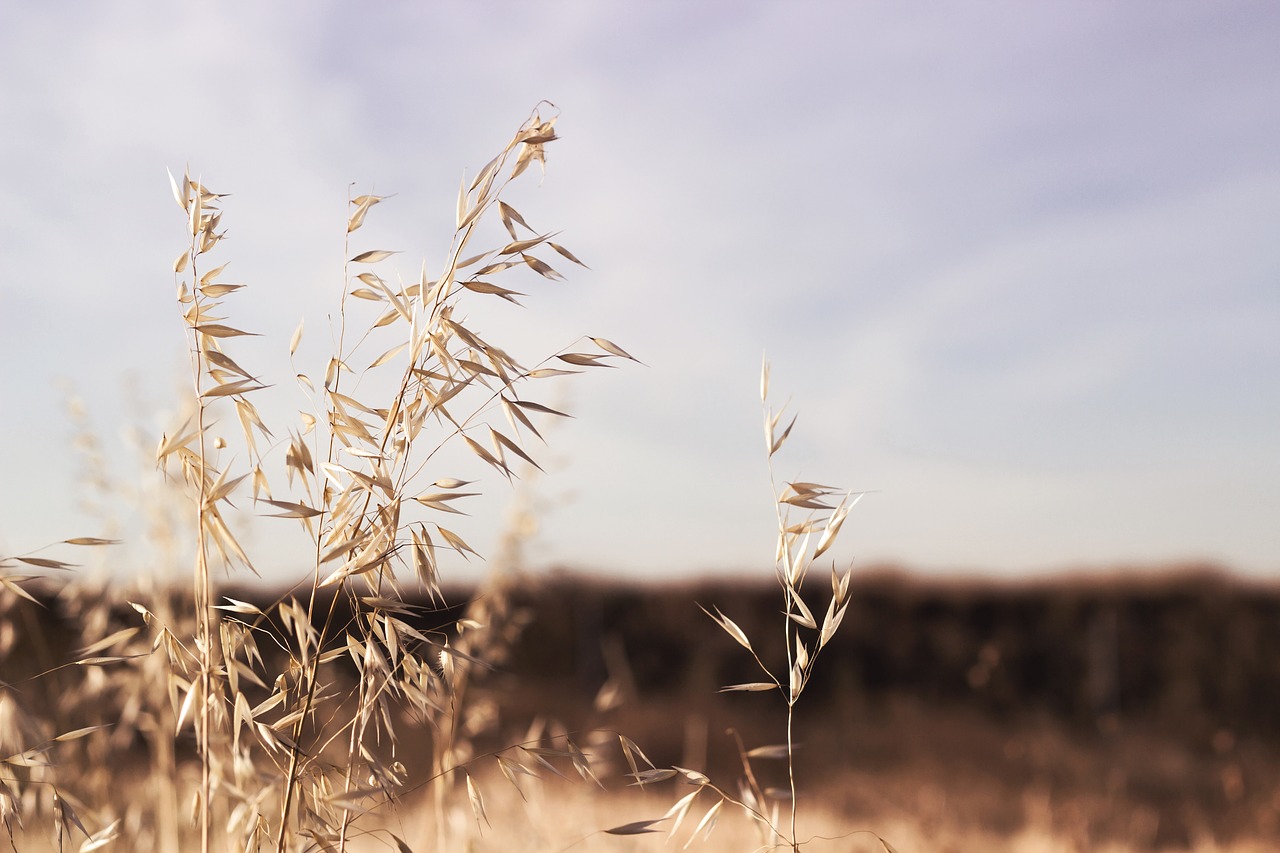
(927, 769)
(560, 817)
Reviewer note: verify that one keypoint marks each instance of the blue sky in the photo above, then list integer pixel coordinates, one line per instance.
(1015, 264)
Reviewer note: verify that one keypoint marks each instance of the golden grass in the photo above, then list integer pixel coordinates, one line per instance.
(774, 811)
(295, 710)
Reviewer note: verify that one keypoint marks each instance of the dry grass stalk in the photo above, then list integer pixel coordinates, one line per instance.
(802, 540)
(296, 756)
(296, 745)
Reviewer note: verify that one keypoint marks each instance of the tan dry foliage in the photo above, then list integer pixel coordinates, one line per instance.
(803, 637)
(296, 709)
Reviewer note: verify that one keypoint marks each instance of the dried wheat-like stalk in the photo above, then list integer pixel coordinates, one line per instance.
(216, 377)
(297, 710)
(809, 518)
(299, 753)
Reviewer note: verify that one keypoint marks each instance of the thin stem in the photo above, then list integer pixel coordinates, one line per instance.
(295, 753)
(203, 590)
(291, 777)
(791, 774)
(430, 311)
(790, 632)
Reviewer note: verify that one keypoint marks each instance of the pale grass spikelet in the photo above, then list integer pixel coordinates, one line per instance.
(799, 544)
(297, 709)
(354, 468)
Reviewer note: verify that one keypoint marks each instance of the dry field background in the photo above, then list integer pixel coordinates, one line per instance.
(1085, 714)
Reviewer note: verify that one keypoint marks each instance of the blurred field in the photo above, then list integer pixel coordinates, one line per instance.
(1133, 710)
(1099, 713)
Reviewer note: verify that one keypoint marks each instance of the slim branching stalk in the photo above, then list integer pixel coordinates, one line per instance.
(801, 541)
(303, 752)
(215, 376)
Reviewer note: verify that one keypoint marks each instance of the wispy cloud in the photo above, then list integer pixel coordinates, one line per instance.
(1016, 264)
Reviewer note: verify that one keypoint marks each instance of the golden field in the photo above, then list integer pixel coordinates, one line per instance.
(1067, 714)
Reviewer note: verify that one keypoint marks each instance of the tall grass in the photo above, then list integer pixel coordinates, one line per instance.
(296, 711)
(809, 518)
(290, 757)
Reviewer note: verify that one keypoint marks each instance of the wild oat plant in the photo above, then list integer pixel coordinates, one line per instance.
(809, 518)
(296, 713)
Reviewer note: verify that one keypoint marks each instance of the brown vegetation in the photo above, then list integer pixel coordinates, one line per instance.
(960, 710)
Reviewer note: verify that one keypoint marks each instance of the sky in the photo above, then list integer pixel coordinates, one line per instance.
(1014, 265)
